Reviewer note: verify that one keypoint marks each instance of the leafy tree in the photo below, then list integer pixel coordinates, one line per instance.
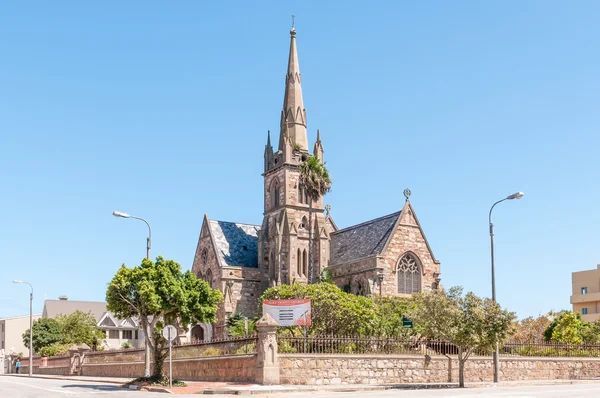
(333, 312)
(326, 276)
(46, 331)
(390, 312)
(591, 332)
(566, 328)
(314, 179)
(79, 327)
(468, 322)
(56, 349)
(532, 329)
(158, 293)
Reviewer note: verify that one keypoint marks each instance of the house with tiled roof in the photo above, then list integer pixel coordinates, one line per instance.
(389, 255)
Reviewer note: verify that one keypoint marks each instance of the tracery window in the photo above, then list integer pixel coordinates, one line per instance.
(409, 274)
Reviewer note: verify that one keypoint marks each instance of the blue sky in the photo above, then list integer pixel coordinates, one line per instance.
(161, 110)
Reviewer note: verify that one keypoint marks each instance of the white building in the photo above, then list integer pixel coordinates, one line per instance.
(118, 331)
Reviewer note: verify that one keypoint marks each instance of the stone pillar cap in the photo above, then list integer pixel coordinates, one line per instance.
(266, 320)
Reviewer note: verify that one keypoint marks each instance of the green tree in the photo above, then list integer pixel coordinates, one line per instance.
(390, 312)
(314, 179)
(333, 312)
(236, 325)
(532, 329)
(81, 328)
(46, 332)
(468, 322)
(158, 293)
(566, 328)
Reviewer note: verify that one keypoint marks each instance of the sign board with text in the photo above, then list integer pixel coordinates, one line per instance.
(288, 312)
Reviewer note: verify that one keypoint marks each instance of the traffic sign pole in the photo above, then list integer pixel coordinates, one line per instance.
(170, 332)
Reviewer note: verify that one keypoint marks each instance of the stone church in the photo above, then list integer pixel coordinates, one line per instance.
(389, 255)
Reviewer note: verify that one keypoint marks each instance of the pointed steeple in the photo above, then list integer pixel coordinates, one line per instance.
(293, 115)
(318, 149)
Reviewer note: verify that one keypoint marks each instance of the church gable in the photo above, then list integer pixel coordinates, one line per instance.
(407, 254)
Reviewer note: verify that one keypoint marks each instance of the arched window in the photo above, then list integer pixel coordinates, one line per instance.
(275, 193)
(300, 194)
(299, 263)
(209, 278)
(409, 274)
(204, 257)
(304, 223)
(304, 263)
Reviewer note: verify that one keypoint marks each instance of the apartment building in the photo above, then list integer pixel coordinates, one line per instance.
(585, 295)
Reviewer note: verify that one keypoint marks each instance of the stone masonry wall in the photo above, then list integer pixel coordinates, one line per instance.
(390, 369)
(230, 368)
(407, 238)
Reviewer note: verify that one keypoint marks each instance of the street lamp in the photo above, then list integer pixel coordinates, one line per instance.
(516, 195)
(148, 241)
(30, 325)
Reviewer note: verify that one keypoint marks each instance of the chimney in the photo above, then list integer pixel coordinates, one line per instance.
(64, 298)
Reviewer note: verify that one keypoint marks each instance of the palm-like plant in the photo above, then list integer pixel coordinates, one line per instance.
(314, 179)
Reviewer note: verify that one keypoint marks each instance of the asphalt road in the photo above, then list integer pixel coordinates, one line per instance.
(21, 387)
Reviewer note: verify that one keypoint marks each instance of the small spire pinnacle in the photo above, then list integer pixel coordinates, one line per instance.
(268, 138)
(293, 18)
(318, 135)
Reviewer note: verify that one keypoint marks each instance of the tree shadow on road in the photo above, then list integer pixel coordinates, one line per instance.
(101, 387)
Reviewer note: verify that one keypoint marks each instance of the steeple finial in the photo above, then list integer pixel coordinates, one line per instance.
(268, 138)
(407, 194)
(293, 115)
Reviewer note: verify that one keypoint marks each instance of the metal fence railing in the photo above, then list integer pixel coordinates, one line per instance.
(366, 345)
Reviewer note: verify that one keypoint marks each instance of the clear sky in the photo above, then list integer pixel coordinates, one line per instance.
(161, 110)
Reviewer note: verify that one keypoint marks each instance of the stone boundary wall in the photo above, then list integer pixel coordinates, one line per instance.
(396, 369)
(231, 368)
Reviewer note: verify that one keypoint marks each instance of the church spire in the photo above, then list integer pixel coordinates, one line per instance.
(293, 115)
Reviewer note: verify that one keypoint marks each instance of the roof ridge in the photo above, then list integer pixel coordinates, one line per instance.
(366, 222)
(76, 301)
(233, 222)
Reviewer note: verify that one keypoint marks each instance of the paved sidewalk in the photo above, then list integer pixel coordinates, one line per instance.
(195, 387)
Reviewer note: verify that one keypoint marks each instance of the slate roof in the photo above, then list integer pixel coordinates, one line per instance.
(361, 240)
(237, 244)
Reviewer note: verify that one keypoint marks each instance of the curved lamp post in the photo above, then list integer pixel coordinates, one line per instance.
(30, 325)
(516, 195)
(148, 243)
(148, 240)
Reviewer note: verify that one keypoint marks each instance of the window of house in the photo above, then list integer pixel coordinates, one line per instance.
(136, 335)
(128, 334)
(584, 311)
(409, 274)
(584, 290)
(113, 334)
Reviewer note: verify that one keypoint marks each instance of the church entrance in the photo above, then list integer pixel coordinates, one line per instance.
(197, 334)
